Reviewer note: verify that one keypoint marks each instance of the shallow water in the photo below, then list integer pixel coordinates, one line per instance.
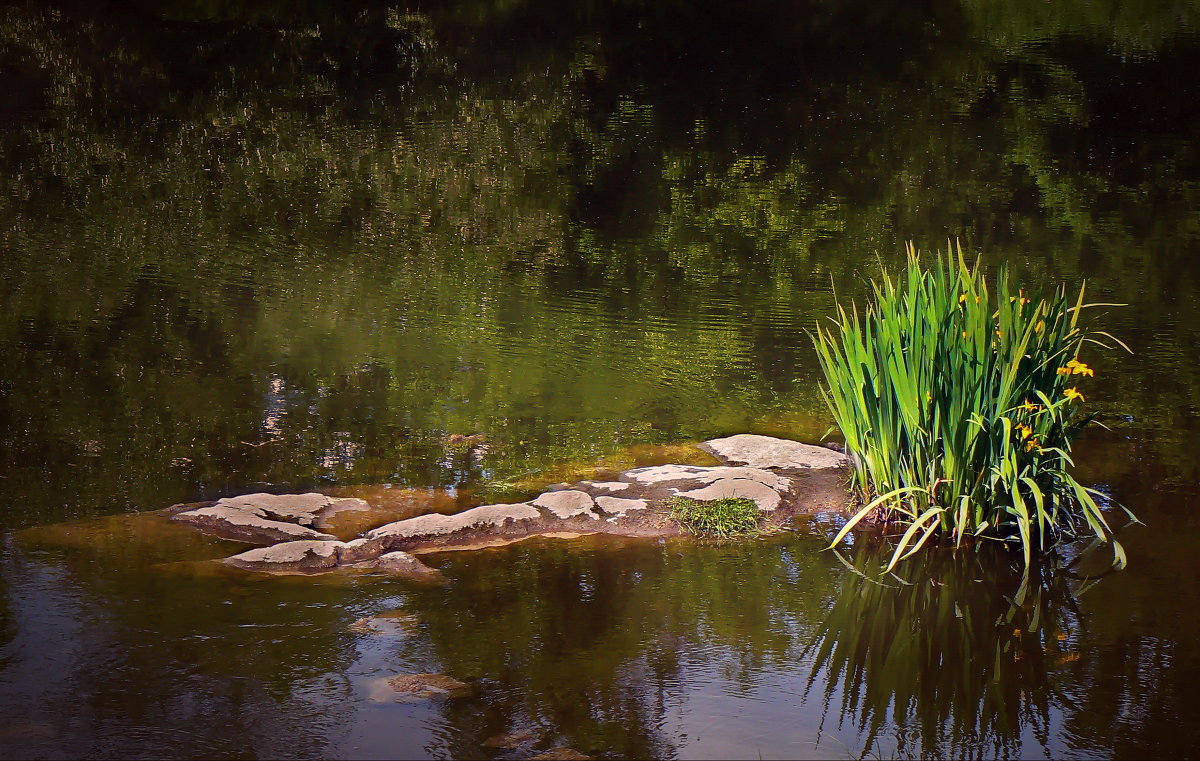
(464, 248)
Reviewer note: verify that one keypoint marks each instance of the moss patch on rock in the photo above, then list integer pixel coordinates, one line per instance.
(722, 518)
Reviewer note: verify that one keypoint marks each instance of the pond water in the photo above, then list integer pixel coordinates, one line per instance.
(457, 247)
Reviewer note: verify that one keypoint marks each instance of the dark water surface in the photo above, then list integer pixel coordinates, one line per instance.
(281, 246)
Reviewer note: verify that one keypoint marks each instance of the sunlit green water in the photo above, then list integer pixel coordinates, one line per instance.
(297, 247)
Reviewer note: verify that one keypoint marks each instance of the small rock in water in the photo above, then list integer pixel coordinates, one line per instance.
(561, 754)
(429, 686)
(362, 626)
(404, 564)
(391, 623)
(509, 741)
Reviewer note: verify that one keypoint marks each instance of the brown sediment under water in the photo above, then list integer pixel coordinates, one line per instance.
(441, 255)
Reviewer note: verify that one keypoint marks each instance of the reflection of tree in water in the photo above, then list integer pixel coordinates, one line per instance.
(346, 226)
(358, 202)
(115, 654)
(957, 650)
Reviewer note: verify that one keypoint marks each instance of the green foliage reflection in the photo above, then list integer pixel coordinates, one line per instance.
(961, 646)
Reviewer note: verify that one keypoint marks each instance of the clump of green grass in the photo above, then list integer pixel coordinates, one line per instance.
(959, 403)
(724, 518)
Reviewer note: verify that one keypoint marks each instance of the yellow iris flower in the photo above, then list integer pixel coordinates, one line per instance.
(1073, 394)
(1075, 367)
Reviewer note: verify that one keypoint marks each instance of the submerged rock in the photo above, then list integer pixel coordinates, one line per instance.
(363, 626)
(510, 740)
(560, 754)
(391, 623)
(403, 564)
(428, 686)
(775, 454)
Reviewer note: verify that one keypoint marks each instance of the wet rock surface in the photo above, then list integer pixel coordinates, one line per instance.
(784, 478)
(392, 623)
(426, 686)
(561, 754)
(510, 740)
(403, 564)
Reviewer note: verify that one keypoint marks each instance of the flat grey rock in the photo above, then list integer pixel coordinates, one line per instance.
(618, 507)
(567, 503)
(302, 556)
(438, 525)
(247, 525)
(308, 509)
(606, 486)
(700, 476)
(661, 473)
(774, 454)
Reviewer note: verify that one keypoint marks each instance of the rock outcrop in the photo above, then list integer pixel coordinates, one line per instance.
(783, 478)
(267, 518)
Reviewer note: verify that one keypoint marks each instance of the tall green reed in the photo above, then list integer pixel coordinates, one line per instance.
(959, 402)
